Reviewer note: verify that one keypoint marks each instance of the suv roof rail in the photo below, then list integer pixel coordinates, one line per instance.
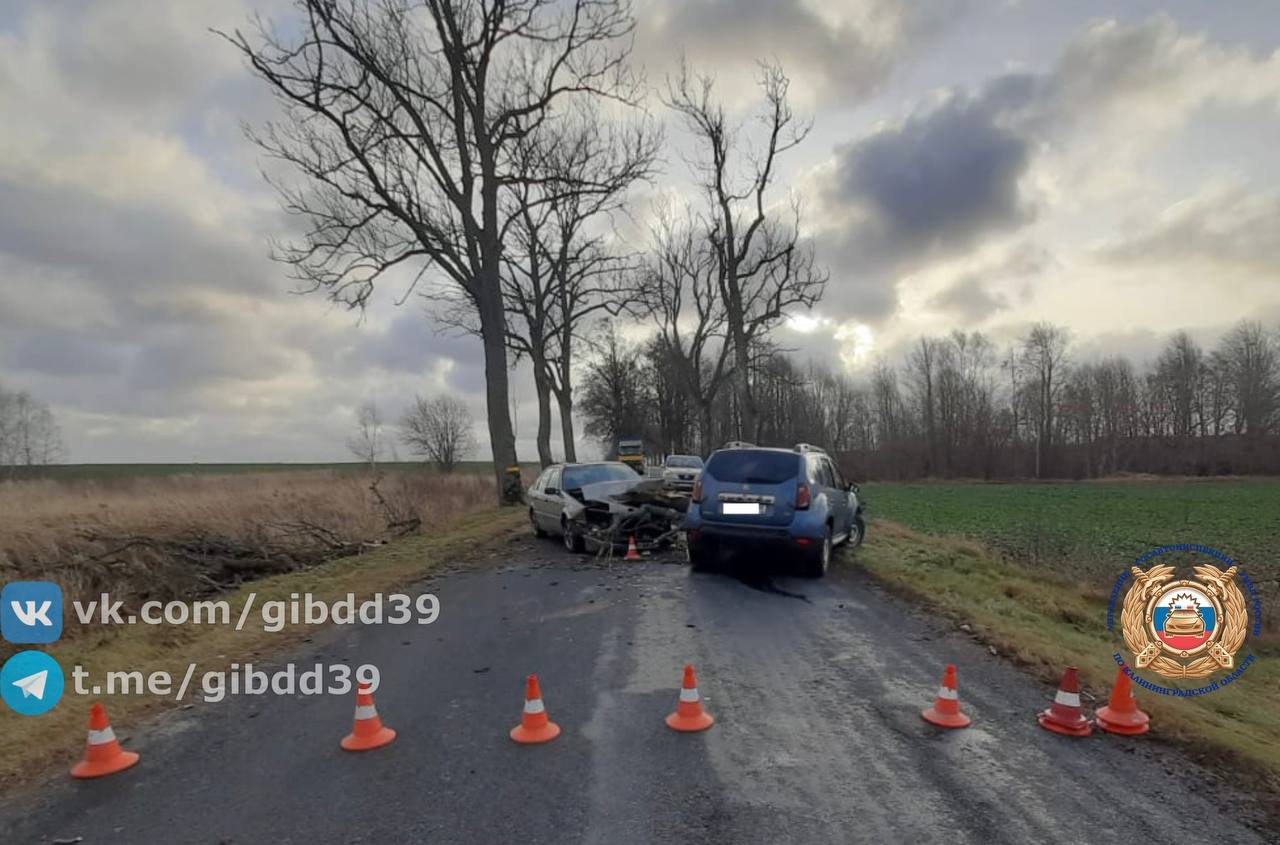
(809, 447)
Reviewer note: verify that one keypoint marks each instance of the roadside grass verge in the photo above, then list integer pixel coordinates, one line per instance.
(29, 746)
(1044, 623)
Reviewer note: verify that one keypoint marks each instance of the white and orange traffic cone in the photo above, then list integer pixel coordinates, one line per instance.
(102, 752)
(1065, 716)
(633, 552)
(534, 725)
(945, 712)
(689, 715)
(367, 732)
(1122, 715)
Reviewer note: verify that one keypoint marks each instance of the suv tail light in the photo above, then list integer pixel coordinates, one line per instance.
(803, 496)
(696, 495)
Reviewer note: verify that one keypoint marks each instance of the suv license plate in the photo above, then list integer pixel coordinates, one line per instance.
(742, 508)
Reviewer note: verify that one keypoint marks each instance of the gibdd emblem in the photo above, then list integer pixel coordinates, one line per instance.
(1184, 629)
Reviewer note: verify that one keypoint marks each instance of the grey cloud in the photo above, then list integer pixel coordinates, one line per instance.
(940, 180)
(128, 247)
(969, 299)
(1236, 227)
(842, 60)
(932, 186)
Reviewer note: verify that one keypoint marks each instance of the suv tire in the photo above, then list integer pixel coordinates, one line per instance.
(857, 533)
(816, 563)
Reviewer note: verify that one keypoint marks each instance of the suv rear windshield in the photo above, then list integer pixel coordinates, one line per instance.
(750, 466)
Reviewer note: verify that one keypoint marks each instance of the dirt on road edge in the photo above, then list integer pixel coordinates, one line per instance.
(1044, 624)
(31, 746)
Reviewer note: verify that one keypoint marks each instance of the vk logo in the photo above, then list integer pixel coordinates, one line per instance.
(31, 612)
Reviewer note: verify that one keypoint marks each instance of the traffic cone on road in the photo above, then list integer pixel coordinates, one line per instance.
(534, 725)
(368, 732)
(1064, 716)
(633, 553)
(689, 715)
(102, 752)
(945, 712)
(1122, 715)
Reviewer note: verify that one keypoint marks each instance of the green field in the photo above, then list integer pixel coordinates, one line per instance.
(1093, 530)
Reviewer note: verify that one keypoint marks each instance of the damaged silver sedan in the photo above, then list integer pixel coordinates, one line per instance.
(600, 506)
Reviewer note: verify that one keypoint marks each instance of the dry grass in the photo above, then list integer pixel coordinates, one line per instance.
(180, 536)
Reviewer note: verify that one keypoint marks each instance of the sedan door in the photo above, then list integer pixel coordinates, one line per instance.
(551, 503)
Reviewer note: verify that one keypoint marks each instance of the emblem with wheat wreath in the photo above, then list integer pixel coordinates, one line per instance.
(1219, 586)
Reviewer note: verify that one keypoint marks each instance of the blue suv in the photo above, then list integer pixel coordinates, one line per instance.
(793, 501)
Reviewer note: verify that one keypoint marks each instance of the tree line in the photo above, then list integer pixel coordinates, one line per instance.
(961, 406)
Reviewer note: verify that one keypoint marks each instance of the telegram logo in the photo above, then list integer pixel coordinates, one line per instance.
(31, 612)
(31, 683)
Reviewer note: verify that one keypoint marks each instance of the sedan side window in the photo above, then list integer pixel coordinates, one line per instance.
(541, 482)
(553, 481)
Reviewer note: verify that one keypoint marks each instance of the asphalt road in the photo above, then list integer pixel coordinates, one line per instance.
(818, 738)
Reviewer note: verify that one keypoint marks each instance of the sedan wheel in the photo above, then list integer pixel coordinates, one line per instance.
(572, 540)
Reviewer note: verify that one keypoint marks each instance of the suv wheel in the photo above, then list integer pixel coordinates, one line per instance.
(817, 563)
(537, 529)
(697, 556)
(572, 539)
(857, 532)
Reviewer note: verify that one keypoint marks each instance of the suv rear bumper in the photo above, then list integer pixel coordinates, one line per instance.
(765, 537)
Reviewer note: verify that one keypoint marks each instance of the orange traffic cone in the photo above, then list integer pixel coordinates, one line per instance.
(945, 712)
(102, 752)
(534, 725)
(633, 553)
(368, 732)
(689, 715)
(1122, 715)
(1064, 716)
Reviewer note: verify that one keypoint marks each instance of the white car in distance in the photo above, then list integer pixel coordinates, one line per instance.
(680, 471)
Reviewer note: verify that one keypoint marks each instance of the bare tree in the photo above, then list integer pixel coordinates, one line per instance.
(368, 443)
(565, 267)
(762, 267)
(1249, 362)
(679, 289)
(402, 120)
(439, 429)
(29, 432)
(1044, 358)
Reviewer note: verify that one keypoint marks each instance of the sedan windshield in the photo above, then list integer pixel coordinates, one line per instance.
(684, 461)
(579, 476)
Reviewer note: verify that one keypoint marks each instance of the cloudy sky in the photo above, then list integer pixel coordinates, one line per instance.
(981, 165)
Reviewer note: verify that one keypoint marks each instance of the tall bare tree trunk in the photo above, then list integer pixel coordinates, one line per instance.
(565, 399)
(542, 386)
